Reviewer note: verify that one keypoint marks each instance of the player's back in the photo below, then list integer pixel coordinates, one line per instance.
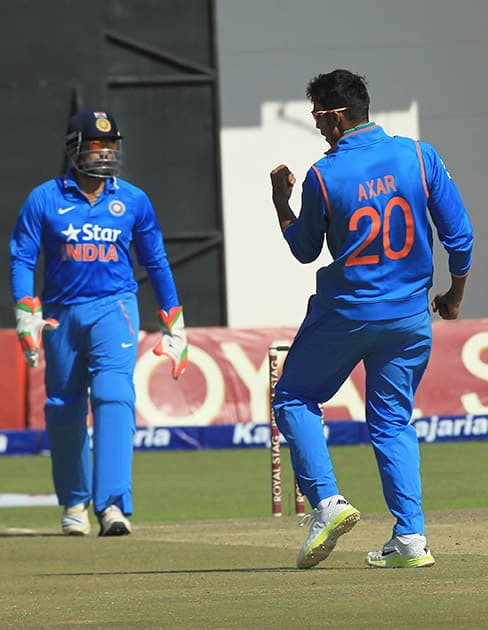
(378, 230)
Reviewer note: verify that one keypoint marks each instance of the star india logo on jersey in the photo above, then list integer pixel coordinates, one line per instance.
(103, 249)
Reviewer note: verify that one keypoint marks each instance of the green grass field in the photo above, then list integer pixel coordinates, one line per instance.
(206, 553)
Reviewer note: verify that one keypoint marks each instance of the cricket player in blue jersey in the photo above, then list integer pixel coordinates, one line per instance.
(372, 197)
(85, 222)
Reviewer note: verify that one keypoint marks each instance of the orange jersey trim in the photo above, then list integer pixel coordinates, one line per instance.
(324, 189)
(422, 169)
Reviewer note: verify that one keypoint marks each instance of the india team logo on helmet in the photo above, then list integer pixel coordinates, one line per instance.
(103, 124)
(116, 208)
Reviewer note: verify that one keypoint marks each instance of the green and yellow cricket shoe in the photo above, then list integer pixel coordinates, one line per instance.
(398, 555)
(332, 518)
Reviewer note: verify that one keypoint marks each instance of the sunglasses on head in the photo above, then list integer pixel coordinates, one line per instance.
(318, 114)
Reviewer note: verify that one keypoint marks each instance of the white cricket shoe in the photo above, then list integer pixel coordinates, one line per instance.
(332, 518)
(398, 555)
(74, 521)
(113, 522)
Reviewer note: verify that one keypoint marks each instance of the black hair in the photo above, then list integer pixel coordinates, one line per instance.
(341, 88)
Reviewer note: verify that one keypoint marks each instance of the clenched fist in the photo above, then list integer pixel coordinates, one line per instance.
(282, 180)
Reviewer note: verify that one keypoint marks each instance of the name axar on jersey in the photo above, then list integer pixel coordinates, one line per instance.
(374, 211)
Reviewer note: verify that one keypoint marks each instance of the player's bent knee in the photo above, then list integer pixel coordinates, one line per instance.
(66, 411)
(110, 387)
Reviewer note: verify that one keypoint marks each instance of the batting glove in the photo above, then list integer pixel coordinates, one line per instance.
(30, 324)
(173, 343)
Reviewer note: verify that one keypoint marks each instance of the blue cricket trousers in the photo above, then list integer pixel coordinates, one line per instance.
(395, 354)
(92, 353)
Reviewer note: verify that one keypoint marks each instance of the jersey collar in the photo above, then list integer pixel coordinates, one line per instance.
(68, 181)
(358, 136)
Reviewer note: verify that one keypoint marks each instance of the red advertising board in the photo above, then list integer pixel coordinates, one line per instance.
(13, 382)
(227, 378)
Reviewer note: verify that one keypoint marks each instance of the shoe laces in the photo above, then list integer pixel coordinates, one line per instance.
(309, 518)
(318, 513)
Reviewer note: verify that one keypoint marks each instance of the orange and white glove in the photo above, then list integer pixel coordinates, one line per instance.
(30, 324)
(173, 343)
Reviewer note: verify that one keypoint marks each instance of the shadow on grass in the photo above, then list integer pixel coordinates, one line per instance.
(31, 535)
(195, 571)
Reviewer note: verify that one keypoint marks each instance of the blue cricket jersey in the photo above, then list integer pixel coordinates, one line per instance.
(371, 196)
(87, 249)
